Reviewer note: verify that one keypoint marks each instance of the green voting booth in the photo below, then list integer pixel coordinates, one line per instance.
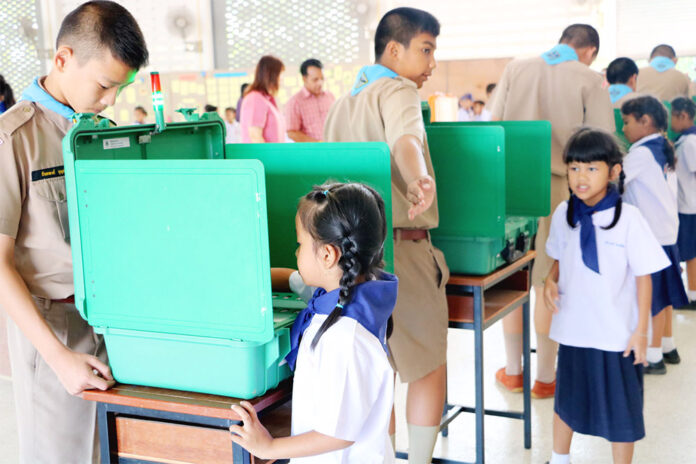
(171, 248)
(493, 181)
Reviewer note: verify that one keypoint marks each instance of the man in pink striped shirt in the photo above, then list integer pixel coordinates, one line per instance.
(306, 111)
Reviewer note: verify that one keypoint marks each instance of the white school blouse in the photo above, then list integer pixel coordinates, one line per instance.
(686, 173)
(601, 310)
(652, 191)
(344, 388)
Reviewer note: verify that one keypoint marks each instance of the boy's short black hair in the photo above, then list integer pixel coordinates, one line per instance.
(229, 108)
(94, 26)
(310, 62)
(620, 70)
(580, 36)
(490, 87)
(141, 109)
(210, 108)
(480, 102)
(402, 25)
(663, 50)
(686, 105)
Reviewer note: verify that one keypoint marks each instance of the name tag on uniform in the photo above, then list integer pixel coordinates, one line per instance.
(49, 173)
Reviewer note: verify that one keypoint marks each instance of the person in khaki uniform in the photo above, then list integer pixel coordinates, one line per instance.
(384, 105)
(54, 354)
(660, 79)
(559, 87)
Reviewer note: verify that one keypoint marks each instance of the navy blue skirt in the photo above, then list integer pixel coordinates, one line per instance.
(600, 393)
(667, 285)
(687, 237)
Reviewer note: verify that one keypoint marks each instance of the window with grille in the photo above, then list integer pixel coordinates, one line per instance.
(20, 36)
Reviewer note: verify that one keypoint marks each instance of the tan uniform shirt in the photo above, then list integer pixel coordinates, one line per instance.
(383, 112)
(568, 94)
(665, 86)
(33, 206)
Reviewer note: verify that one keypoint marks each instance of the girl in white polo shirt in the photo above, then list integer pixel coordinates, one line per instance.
(599, 290)
(651, 186)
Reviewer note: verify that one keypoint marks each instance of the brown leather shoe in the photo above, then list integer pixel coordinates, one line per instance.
(542, 390)
(513, 383)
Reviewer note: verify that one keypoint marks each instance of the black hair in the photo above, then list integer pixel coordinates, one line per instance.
(686, 105)
(588, 145)
(351, 217)
(6, 93)
(210, 108)
(490, 87)
(621, 70)
(580, 36)
(310, 62)
(402, 25)
(651, 106)
(243, 88)
(663, 50)
(229, 108)
(479, 102)
(140, 108)
(98, 25)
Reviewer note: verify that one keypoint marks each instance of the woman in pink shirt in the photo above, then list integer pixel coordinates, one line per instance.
(261, 120)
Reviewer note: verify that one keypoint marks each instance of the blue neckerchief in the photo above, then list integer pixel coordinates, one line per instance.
(3, 108)
(657, 148)
(371, 304)
(618, 91)
(690, 131)
(661, 63)
(36, 94)
(368, 75)
(559, 54)
(583, 214)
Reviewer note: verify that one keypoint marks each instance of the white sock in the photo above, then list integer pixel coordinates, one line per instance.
(691, 294)
(654, 354)
(513, 352)
(559, 458)
(421, 441)
(668, 344)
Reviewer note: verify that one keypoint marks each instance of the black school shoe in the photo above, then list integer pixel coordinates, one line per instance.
(657, 368)
(691, 306)
(672, 357)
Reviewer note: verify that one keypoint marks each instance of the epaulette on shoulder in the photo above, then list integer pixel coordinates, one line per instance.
(16, 117)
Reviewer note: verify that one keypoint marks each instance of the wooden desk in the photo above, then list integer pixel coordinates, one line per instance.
(153, 425)
(475, 303)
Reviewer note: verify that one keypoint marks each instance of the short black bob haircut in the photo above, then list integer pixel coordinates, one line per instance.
(402, 25)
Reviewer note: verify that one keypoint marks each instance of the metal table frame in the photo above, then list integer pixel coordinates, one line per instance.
(474, 288)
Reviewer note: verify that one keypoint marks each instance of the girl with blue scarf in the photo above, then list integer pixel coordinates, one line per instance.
(599, 292)
(343, 385)
(651, 186)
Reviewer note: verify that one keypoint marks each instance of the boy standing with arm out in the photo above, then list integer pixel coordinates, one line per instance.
(384, 106)
(54, 353)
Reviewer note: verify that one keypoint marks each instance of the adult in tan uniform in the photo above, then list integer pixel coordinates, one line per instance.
(384, 106)
(53, 352)
(559, 87)
(661, 79)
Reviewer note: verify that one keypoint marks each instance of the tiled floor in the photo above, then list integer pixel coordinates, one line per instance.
(670, 411)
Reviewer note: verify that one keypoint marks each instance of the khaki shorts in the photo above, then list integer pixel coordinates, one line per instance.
(53, 426)
(542, 262)
(418, 344)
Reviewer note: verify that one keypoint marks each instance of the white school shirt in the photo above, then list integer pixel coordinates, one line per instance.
(652, 192)
(601, 310)
(344, 388)
(686, 173)
(233, 132)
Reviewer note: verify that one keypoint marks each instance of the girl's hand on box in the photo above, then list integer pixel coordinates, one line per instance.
(251, 435)
(638, 343)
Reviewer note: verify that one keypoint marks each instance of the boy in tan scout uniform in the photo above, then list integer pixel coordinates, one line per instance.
(384, 106)
(559, 87)
(661, 79)
(54, 354)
